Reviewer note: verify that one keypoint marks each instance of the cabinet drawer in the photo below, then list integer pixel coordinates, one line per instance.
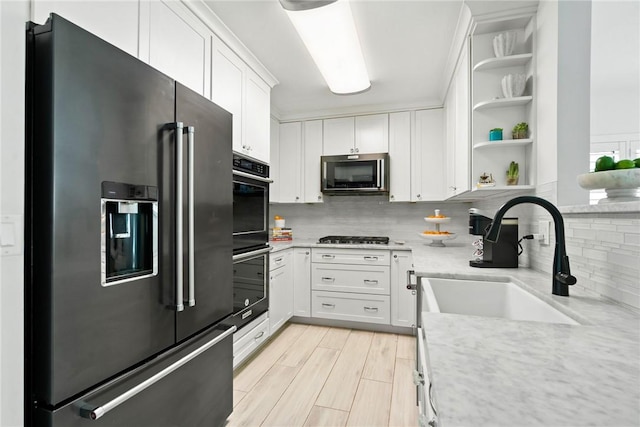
(353, 307)
(350, 278)
(250, 341)
(350, 256)
(279, 259)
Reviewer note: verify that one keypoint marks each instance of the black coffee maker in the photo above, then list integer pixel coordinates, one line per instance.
(501, 254)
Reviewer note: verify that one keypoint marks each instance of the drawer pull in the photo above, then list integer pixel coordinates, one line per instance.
(326, 256)
(371, 258)
(328, 279)
(325, 304)
(259, 335)
(370, 282)
(278, 259)
(371, 309)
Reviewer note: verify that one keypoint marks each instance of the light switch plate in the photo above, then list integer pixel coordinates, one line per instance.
(11, 235)
(544, 228)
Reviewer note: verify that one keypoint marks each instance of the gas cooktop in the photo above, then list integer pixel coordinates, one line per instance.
(355, 240)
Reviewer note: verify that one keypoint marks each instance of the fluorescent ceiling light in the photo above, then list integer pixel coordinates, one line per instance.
(330, 36)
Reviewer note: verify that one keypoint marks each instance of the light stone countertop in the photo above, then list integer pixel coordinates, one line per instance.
(498, 372)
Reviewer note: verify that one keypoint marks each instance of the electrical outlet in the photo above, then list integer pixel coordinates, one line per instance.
(544, 228)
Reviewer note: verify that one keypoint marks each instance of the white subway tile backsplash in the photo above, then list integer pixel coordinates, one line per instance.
(632, 239)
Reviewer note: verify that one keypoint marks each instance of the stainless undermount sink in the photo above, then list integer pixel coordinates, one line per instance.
(488, 299)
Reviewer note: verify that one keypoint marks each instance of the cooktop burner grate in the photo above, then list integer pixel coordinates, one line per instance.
(355, 240)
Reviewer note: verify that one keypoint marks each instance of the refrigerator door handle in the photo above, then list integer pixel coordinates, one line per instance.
(191, 139)
(93, 412)
(179, 219)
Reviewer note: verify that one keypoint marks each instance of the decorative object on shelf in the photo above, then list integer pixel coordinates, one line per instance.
(621, 185)
(486, 181)
(513, 85)
(495, 134)
(520, 131)
(504, 43)
(437, 236)
(513, 174)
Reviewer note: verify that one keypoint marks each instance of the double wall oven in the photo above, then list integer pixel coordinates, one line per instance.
(250, 239)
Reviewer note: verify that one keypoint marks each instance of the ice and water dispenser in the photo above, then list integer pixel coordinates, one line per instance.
(129, 215)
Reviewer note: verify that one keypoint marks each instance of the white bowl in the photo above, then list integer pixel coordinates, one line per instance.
(621, 185)
(513, 85)
(504, 43)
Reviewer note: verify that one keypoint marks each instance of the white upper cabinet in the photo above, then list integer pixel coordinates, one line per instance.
(179, 45)
(400, 156)
(274, 161)
(311, 161)
(257, 113)
(226, 86)
(239, 90)
(457, 129)
(372, 134)
(115, 22)
(289, 173)
(427, 159)
(356, 135)
(339, 136)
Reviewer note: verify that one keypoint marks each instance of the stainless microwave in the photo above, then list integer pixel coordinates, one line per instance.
(355, 173)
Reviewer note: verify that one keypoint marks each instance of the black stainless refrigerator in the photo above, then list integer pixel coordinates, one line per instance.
(128, 240)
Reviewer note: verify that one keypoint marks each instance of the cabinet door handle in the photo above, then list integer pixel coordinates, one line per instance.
(328, 279)
(259, 335)
(370, 282)
(328, 256)
(325, 304)
(306, 253)
(351, 150)
(371, 309)
(357, 150)
(371, 258)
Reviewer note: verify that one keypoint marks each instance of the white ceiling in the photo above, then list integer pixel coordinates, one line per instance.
(405, 46)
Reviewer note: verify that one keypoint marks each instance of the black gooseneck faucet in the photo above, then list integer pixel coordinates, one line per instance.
(562, 277)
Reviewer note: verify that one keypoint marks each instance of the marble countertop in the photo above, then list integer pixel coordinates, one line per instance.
(498, 372)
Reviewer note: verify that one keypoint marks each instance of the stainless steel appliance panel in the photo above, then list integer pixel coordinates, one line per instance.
(250, 286)
(207, 378)
(208, 295)
(355, 173)
(96, 114)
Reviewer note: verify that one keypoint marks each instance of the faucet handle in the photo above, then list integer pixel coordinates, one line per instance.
(565, 278)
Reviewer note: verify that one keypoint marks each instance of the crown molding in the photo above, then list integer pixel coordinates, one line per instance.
(220, 29)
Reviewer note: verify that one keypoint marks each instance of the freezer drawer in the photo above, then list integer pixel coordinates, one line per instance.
(203, 371)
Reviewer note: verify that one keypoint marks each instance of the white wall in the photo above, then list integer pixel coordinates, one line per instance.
(12, 34)
(615, 67)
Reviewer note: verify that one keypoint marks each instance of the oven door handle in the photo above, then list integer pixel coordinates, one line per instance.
(252, 254)
(257, 178)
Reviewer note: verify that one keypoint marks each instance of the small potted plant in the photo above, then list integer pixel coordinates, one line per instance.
(512, 174)
(495, 134)
(520, 131)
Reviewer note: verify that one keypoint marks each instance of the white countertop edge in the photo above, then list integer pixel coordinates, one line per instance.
(606, 208)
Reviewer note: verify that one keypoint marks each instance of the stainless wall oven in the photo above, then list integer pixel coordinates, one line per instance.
(250, 239)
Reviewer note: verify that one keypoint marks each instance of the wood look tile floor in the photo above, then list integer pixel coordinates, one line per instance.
(320, 376)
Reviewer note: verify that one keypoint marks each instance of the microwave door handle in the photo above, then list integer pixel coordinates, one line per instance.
(248, 175)
(179, 219)
(380, 169)
(191, 139)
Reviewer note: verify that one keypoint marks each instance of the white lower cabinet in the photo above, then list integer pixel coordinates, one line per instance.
(403, 300)
(249, 338)
(351, 284)
(280, 289)
(348, 306)
(302, 282)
